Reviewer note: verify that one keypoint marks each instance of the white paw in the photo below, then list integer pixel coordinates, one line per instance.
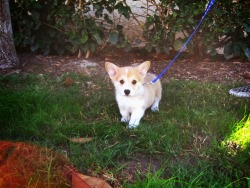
(154, 108)
(132, 126)
(133, 123)
(124, 119)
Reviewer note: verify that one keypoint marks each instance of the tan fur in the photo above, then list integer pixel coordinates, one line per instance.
(132, 95)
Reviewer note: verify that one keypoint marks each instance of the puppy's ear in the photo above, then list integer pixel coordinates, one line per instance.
(111, 69)
(143, 68)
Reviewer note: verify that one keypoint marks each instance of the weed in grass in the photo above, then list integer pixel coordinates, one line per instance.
(237, 143)
(240, 138)
(151, 180)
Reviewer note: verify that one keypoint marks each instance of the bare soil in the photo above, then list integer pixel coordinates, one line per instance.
(204, 70)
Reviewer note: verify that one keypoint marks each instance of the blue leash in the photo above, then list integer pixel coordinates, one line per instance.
(185, 44)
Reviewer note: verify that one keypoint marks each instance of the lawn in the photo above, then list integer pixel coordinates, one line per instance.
(199, 138)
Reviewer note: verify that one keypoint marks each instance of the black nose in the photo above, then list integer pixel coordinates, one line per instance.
(126, 91)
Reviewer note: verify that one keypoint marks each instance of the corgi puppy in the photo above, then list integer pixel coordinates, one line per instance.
(132, 94)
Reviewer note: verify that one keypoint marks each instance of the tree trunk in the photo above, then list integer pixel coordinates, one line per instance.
(8, 56)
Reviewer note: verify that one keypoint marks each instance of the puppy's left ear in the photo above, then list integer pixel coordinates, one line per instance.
(144, 67)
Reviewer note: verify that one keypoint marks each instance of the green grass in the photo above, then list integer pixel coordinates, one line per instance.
(181, 146)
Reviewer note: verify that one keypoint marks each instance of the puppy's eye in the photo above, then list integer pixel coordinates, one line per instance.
(122, 81)
(134, 82)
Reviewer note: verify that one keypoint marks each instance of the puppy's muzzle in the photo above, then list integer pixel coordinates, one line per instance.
(127, 92)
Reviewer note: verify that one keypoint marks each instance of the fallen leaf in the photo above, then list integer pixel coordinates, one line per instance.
(78, 182)
(82, 181)
(80, 140)
(68, 81)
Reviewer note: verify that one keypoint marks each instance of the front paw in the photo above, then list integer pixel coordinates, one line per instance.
(124, 119)
(133, 124)
(155, 109)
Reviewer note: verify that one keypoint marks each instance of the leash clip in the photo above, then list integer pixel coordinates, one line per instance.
(148, 83)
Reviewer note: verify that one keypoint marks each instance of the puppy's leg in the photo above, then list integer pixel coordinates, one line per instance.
(125, 115)
(155, 105)
(135, 118)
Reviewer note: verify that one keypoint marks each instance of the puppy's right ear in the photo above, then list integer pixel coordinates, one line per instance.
(111, 69)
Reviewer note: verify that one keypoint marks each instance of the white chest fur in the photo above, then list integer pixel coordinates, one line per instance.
(131, 103)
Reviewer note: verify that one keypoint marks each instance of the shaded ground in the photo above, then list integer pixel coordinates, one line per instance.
(206, 70)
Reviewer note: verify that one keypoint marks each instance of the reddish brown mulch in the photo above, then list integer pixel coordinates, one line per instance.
(28, 165)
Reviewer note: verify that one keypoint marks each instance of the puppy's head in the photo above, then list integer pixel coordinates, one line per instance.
(128, 81)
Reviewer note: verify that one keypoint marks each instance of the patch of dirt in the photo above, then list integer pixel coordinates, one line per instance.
(204, 70)
(140, 166)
